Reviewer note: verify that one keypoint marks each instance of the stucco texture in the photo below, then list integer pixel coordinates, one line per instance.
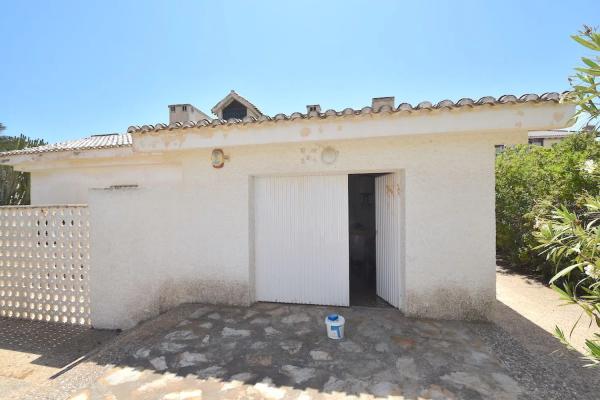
(160, 245)
(185, 233)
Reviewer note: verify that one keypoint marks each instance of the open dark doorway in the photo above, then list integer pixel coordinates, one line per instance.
(361, 210)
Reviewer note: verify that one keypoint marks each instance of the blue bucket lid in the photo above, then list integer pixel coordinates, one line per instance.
(333, 317)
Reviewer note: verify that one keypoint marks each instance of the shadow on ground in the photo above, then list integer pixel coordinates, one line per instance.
(51, 344)
(281, 351)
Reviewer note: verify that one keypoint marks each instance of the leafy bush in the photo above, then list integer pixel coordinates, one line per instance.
(569, 235)
(531, 179)
(570, 239)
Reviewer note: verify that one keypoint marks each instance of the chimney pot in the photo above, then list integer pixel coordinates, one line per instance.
(184, 113)
(382, 101)
(313, 108)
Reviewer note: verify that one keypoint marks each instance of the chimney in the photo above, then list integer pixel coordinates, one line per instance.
(313, 108)
(185, 113)
(382, 101)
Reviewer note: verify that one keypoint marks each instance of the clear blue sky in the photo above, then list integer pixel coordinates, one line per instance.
(70, 69)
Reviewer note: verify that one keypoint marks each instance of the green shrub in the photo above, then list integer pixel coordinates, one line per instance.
(570, 240)
(529, 180)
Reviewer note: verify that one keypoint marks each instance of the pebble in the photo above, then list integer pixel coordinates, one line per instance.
(159, 363)
(122, 375)
(319, 355)
(230, 332)
(187, 359)
(298, 374)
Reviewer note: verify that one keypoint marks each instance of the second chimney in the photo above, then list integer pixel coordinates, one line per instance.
(313, 108)
(185, 113)
(382, 101)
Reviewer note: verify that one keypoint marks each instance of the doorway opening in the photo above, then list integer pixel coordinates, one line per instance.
(363, 243)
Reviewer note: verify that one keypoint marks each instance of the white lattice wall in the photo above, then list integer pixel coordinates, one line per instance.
(44, 263)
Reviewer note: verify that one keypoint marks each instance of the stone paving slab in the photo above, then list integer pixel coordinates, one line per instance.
(277, 351)
(281, 351)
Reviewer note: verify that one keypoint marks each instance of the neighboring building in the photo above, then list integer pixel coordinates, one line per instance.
(542, 138)
(328, 208)
(548, 138)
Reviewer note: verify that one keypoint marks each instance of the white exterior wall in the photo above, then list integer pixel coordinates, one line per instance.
(186, 233)
(158, 246)
(71, 185)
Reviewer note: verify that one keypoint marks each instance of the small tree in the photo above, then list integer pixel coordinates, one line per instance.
(14, 185)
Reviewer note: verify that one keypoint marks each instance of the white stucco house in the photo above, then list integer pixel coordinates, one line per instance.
(392, 203)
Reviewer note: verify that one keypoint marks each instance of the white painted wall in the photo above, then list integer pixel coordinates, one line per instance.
(160, 245)
(187, 233)
(65, 185)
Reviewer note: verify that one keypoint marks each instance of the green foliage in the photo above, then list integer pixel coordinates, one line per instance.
(530, 180)
(570, 239)
(569, 234)
(14, 185)
(584, 84)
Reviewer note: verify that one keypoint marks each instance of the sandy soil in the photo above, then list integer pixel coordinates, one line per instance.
(522, 300)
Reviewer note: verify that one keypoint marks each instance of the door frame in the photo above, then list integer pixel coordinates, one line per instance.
(252, 227)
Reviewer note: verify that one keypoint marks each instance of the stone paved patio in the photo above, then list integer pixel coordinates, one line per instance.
(276, 351)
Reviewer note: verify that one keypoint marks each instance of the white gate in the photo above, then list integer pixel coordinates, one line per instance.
(388, 240)
(301, 239)
(44, 263)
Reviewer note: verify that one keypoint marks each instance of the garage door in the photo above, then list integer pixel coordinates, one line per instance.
(301, 239)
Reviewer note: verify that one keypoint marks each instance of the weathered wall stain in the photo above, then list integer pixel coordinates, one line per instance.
(175, 292)
(558, 116)
(304, 132)
(448, 302)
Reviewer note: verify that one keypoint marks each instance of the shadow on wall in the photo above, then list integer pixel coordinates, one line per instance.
(280, 351)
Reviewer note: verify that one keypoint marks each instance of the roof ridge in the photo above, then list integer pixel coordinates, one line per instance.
(402, 108)
(115, 140)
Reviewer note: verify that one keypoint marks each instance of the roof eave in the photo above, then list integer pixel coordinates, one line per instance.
(491, 119)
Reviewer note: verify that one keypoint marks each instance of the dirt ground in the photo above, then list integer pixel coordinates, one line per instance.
(539, 305)
(32, 352)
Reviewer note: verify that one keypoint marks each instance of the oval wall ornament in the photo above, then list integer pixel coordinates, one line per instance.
(329, 155)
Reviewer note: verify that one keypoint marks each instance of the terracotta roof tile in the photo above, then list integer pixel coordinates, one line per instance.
(402, 108)
(124, 140)
(89, 143)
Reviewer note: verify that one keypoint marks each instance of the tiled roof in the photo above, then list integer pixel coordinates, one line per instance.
(89, 143)
(124, 140)
(402, 108)
(550, 134)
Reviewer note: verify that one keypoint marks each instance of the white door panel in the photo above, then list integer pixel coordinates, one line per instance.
(388, 239)
(301, 239)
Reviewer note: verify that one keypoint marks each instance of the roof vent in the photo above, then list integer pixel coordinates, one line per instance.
(313, 108)
(382, 101)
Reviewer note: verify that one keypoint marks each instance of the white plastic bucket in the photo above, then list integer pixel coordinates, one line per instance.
(335, 326)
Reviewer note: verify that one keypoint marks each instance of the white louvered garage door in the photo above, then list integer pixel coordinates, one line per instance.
(388, 240)
(301, 239)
